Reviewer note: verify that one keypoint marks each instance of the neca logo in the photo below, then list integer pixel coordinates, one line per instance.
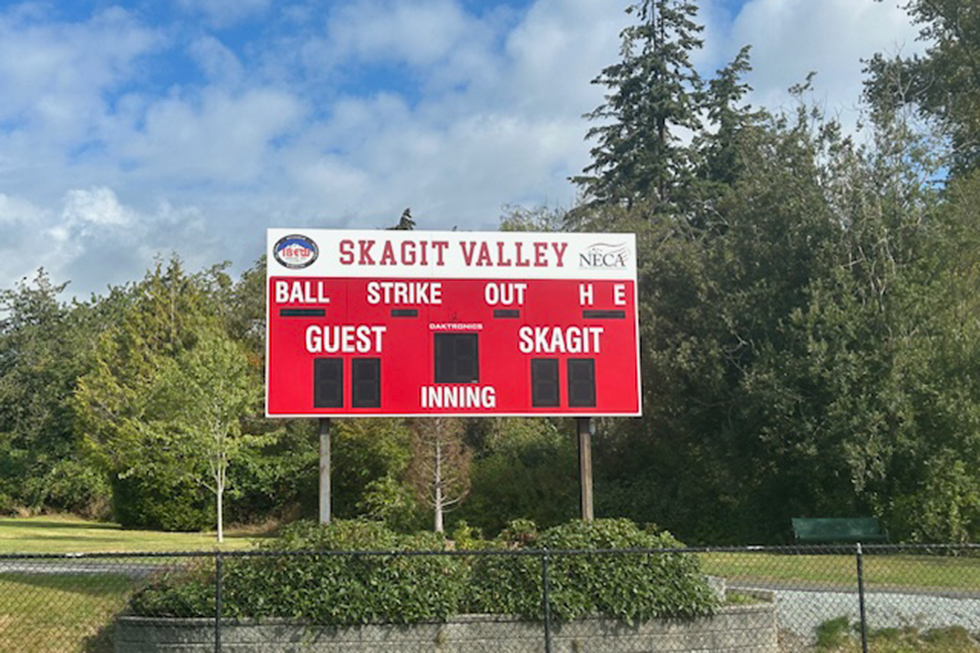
(605, 256)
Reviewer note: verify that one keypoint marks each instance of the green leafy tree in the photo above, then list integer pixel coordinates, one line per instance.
(942, 83)
(370, 461)
(123, 413)
(522, 468)
(205, 393)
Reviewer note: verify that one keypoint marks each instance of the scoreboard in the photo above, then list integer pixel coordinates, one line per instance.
(413, 323)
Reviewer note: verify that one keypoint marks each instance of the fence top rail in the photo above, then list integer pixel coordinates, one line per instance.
(838, 549)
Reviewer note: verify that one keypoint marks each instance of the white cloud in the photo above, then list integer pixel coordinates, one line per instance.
(335, 117)
(53, 76)
(791, 38)
(218, 62)
(218, 137)
(412, 32)
(16, 210)
(97, 206)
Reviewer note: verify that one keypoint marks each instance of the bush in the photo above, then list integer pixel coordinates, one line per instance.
(320, 580)
(148, 504)
(326, 588)
(616, 583)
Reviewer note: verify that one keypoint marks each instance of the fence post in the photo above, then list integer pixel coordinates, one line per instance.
(217, 602)
(545, 585)
(864, 620)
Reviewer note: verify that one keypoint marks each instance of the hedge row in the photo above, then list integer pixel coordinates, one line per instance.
(346, 589)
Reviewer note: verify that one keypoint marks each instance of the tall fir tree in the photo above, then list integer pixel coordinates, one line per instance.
(654, 96)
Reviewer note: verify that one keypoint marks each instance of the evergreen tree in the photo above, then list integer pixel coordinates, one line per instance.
(44, 346)
(654, 96)
(720, 159)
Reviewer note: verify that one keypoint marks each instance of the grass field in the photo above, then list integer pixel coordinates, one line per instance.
(64, 534)
(58, 613)
(880, 570)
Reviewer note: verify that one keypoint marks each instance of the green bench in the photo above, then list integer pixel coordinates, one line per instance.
(828, 530)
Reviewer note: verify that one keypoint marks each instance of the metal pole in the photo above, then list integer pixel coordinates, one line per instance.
(864, 618)
(217, 602)
(546, 598)
(324, 470)
(586, 428)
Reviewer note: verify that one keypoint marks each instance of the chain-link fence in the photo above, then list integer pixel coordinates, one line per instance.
(765, 599)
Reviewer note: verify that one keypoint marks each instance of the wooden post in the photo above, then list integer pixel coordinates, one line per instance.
(585, 430)
(324, 470)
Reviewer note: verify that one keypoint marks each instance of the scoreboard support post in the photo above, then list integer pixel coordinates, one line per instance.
(324, 470)
(585, 427)
(442, 323)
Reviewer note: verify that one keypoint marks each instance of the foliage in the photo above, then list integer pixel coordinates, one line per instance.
(628, 586)
(326, 588)
(44, 347)
(370, 458)
(325, 583)
(940, 85)
(167, 389)
(207, 393)
(522, 468)
(654, 96)
(143, 503)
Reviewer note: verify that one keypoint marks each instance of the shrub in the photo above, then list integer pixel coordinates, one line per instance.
(326, 587)
(149, 504)
(616, 583)
(321, 578)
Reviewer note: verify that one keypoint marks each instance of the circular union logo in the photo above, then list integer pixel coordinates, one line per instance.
(295, 251)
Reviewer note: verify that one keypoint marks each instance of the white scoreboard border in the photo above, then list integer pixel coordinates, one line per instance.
(579, 258)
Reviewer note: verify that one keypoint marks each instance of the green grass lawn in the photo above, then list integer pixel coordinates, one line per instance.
(880, 570)
(55, 613)
(64, 534)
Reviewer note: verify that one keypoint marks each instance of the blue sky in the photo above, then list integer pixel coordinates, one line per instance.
(130, 130)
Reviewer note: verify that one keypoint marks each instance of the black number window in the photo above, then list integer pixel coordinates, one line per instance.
(544, 382)
(328, 383)
(457, 358)
(366, 382)
(581, 382)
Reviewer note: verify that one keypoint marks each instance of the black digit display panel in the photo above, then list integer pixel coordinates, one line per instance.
(581, 382)
(457, 358)
(366, 382)
(544, 382)
(328, 383)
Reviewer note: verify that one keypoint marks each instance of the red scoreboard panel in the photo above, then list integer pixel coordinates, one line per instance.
(455, 323)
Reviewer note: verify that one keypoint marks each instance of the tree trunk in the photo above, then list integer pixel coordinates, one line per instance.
(219, 498)
(438, 488)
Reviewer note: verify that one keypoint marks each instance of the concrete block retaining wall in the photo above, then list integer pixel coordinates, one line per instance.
(737, 629)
